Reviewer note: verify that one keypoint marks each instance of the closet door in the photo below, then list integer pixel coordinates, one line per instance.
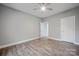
(68, 29)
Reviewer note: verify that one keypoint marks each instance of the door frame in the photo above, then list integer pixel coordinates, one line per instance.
(46, 30)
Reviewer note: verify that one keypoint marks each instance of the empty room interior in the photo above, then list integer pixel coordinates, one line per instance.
(39, 29)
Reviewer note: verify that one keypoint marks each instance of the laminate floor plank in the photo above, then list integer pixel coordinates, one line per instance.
(42, 47)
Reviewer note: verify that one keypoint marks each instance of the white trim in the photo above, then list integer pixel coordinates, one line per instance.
(54, 38)
(76, 43)
(74, 30)
(11, 44)
(62, 40)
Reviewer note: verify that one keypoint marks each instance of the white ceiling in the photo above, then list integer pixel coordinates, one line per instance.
(28, 8)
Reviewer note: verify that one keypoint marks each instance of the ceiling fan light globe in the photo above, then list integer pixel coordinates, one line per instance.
(43, 8)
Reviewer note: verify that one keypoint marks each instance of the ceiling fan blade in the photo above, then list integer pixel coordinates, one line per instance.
(50, 9)
(43, 4)
(47, 4)
(35, 9)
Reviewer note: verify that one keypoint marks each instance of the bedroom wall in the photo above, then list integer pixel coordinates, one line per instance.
(54, 23)
(17, 26)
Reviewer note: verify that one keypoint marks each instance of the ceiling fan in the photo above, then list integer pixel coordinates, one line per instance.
(43, 7)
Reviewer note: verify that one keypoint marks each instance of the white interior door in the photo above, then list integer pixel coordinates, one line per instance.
(68, 29)
(44, 29)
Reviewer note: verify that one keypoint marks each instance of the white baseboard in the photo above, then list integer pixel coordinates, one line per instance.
(61, 40)
(76, 43)
(11, 44)
(54, 38)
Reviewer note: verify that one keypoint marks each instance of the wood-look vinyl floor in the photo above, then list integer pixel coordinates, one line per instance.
(41, 47)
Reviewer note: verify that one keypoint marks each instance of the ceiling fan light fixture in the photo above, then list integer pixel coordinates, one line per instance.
(43, 8)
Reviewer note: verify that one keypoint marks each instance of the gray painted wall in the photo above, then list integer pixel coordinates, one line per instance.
(17, 26)
(54, 23)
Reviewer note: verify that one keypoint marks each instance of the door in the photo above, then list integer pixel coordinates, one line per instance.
(68, 29)
(44, 29)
